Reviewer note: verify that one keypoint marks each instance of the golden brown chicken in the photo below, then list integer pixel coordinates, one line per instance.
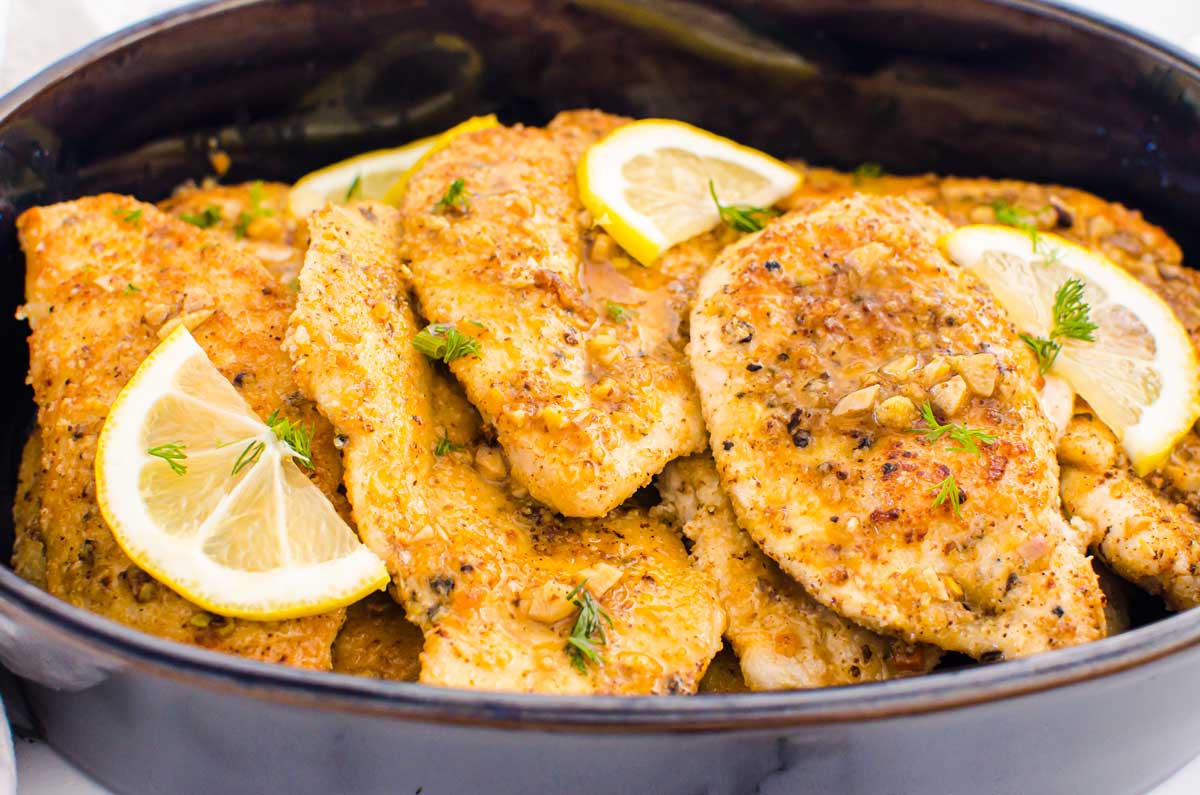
(378, 641)
(814, 344)
(106, 277)
(487, 577)
(580, 366)
(29, 546)
(783, 638)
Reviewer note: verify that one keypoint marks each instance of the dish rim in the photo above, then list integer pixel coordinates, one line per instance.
(113, 646)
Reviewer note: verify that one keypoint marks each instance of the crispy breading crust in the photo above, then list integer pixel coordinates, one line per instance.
(588, 406)
(783, 638)
(791, 321)
(470, 562)
(104, 275)
(29, 548)
(378, 641)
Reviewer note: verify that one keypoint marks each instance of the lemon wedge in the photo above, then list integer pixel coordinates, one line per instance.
(647, 183)
(1139, 373)
(208, 499)
(365, 176)
(439, 142)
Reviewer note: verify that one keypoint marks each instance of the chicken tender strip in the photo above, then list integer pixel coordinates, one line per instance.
(1143, 536)
(783, 638)
(813, 344)
(253, 214)
(378, 641)
(484, 575)
(29, 546)
(580, 367)
(107, 277)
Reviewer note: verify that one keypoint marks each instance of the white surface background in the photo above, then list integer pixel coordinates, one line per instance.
(34, 33)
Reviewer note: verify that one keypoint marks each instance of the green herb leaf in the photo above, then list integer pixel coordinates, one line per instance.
(948, 491)
(1009, 215)
(588, 631)
(129, 215)
(132, 288)
(444, 445)
(249, 456)
(171, 453)
(207, 218)
(297, 437)
(443, 341)
(355, 188)
(966, 439)
(742, 217)
(616, 312)
(455, 199)
(1072, 320)
(253, 212)
(866, 171)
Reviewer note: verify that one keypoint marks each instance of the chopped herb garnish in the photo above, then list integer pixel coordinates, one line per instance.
(443, 341)
(444, 445)
(171, 453)
(207, 218)
(742, 217)
(253, 212)
(297, 437)
(294, 284)
(132, 288)
(455, 199)
(355, 188)
(968, 439)
(1072, 320)
(249, 456)
(866, 171)
(129, 215)
(1009, 215)
(948, 491)
(616, 312)
(588, 631)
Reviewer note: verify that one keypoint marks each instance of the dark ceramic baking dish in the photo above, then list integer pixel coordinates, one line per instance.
(995, 87)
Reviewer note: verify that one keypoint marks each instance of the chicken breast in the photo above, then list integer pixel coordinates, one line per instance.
(783, 638)
(1142, 535)
(378, 641)
(485, 575)
(1158, 550)
(813, 344)
(252, 215)
(580, 366)
(29, 546)
(106, 277)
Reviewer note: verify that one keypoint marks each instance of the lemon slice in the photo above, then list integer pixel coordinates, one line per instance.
(439, 142)
(647, 183)
(365, 176)
(1140, 372)
(221, 514)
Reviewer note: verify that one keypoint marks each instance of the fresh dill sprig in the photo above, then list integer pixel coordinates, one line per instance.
(455, 199)
(355, 188)
(948, 491)
(129, 215)
(742, 217)
(249, 456)
(968, 439)
(443, 341)
(207, 218)
(1009, 215)
(1072, 320)
(132, 288)
(172, 453)
(297, 437)
(253, 212)
(866, 171)
(616, 312)
(588, 631)
(444, 445)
